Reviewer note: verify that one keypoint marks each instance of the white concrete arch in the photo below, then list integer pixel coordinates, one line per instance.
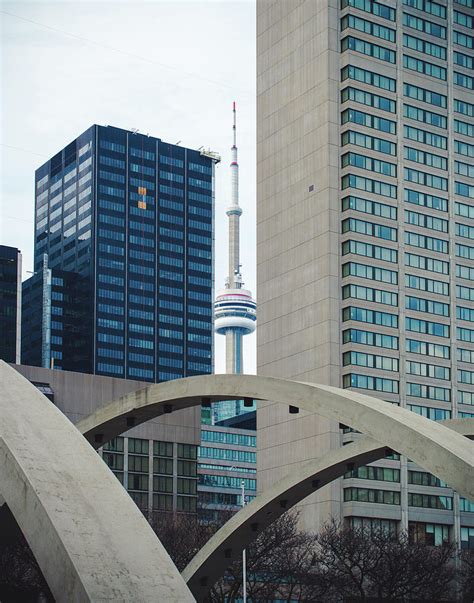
(434, 447)
(89, 538)
(245, 526)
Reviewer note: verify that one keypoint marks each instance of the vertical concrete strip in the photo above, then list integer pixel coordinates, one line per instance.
(90, 540)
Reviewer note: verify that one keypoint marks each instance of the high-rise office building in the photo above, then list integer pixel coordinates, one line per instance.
(133, 217)
(365, 188)
(10, 303)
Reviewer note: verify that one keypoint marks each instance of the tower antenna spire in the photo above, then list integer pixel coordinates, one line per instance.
(235, 309)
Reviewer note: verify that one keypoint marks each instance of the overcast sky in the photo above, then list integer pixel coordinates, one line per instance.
(168, 68)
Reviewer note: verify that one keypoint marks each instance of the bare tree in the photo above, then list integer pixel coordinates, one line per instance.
(466, 575)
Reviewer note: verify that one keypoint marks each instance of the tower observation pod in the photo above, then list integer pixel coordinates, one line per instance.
(235, 311)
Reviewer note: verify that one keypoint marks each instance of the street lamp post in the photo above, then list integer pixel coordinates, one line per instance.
(244, 560)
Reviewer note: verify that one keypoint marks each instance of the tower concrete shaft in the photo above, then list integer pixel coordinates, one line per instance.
(235, 310)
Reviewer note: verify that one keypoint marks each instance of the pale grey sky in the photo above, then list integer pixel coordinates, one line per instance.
(169, 68)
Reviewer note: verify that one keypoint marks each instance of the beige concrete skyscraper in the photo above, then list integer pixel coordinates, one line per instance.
(365, 209)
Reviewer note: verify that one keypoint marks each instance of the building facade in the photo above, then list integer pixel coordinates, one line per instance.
(156, 461)
(10, 303)
(133, 217)
(365, 188)
(227, 460)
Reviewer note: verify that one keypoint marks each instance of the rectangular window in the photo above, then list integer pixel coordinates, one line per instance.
(428, 159)
(425, 348)
(425, 179)
(434, 414)
(432, 371)
(368, 185)
(427, 117)
(424, 46)
(425, 263)
(378, 340)
(369, 121)
(428, 27)
(462, 127)
(368, 27)
(428, 7)
(370, 251)
(463, 148)
(425, 200)
(424, 67)
(426, 284)
(370, 272)
(367, 495)
(370, 294)
(465, 81)
(384, 363)
(417, 240)
(429, 306)
(368, 142)
(463, 39)
(372, 7)
(425, 96)
(369, 207)
(368, 77)
(427, 327)
(368, 163)
(425, 137)
(426, 221)
(430, 501)
(369, 228)
(369, 99)
(368, 49)
(371, 383)
(371, 316)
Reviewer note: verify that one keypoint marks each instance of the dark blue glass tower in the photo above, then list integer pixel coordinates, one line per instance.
(133, 216)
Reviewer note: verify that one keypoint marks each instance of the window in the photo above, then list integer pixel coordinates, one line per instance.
(416, 240)
(368, 27)
(463, 148)
(463, 39)
(370, 251)
(464, 293)
(367, 48)
(424, 25)
(463, 251)
(426, 221)
(383, 474)
(425, 179)
(368, 77)
(370, 316)
(465, 334)
(430, 502)
(383, 363)
(370, 294)
(372, 7)
(462, 127)
(424, 67)
(465, 81)
(425, 96)
(423, 199)
(425, 137)
(370, 272)
(441, 394)
(422, 369)
(368, 120)
(463, 230)
(420, 304)
(466, 505)
(370, 338)
(368, 163)
(424, 46)
(368, 98)
(467, 537)
(428, 159)
(371, 496)
(368, 142)
(371, 383)
(369, 228)
(424, 326)
(434, 414)
(369, 207)
(427, 349)
(431, 534)
(422, 115)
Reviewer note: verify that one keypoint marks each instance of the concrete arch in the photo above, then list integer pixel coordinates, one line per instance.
(438, 449)
(67, 503)
(244, 527)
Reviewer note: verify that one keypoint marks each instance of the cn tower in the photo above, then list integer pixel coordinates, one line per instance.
(235, 310)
